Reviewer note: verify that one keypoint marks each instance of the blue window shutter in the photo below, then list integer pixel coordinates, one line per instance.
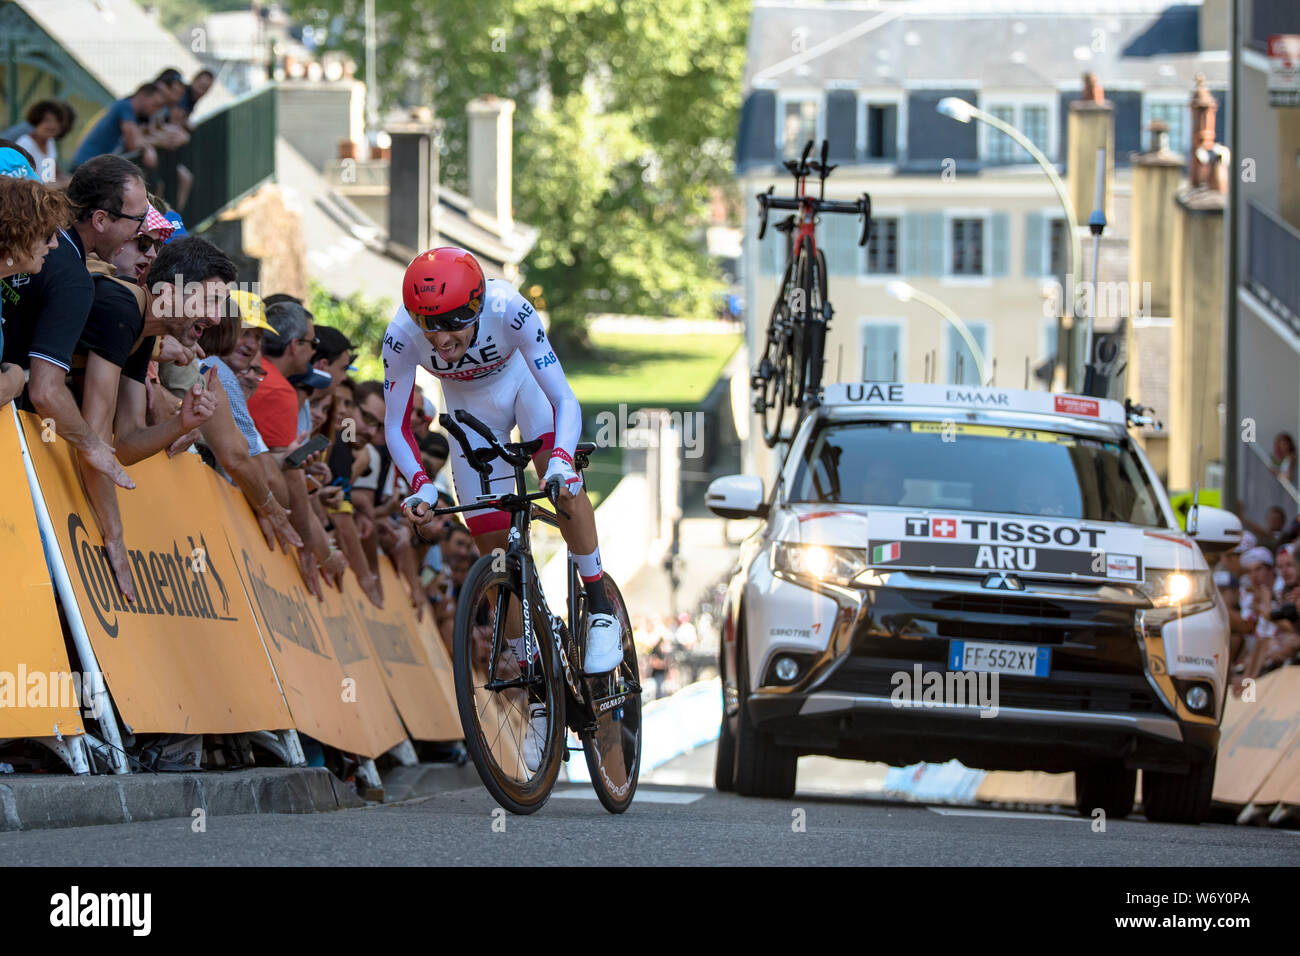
(842, 126)
(837, 236)
(1000, 227)
(1035, 243)
(756, 137)
(934, 241)
(911, 245)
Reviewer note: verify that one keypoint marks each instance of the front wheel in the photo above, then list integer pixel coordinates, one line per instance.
(1179, 797)
(517, 765)
(763, 769)
(613, 750)
(1107, 786)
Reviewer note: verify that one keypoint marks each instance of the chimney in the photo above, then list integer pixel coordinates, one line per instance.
(412, 185)
(491, 121)
(1091, 126)
(1197, 305)
(1156, 176)
(1213, 24)
(1206, 169)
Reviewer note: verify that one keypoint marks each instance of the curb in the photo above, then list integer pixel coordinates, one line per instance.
(49, 802)
(427, 779)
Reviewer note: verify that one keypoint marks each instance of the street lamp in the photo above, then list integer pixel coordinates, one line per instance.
(963, 112)
(897, 289)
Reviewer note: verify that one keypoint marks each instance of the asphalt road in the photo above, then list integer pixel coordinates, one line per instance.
(667, 825)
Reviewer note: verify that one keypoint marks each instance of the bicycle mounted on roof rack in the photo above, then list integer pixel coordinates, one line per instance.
(790, 369)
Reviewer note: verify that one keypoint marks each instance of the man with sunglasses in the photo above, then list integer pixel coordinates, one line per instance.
(45, 313)
(486, 345)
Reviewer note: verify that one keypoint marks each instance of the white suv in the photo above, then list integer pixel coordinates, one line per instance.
(932, 556)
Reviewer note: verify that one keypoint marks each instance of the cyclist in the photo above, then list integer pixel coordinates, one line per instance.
(485, 343)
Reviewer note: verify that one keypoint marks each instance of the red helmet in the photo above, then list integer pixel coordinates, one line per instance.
(443, 289)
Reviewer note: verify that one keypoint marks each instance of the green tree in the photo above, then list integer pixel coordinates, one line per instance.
(625, 115)
(361, 319)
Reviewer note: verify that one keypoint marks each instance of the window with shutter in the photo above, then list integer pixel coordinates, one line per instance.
(967, 247)
(962, 367)
(882, 248)
(837, 236)
(881, 351)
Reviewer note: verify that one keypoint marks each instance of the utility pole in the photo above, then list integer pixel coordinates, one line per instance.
(1232, 411)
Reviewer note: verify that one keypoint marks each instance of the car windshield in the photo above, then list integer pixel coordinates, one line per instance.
(967, 467)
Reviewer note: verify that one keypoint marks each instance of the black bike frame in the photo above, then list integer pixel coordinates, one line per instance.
(523, 510)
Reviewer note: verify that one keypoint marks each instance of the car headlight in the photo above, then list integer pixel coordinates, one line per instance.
(814, 563)
(1181, 589)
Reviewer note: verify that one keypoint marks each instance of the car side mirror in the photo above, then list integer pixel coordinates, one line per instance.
(736, 496)
(1216, 531)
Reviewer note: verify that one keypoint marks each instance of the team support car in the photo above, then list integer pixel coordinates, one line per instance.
(989, 575)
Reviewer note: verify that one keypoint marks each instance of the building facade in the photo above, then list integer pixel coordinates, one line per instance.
(961, 211)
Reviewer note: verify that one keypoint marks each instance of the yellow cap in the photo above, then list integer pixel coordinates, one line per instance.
(252, 311)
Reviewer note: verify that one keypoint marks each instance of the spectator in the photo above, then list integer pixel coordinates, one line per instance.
(231, 346)
(1256, 605)
(207, 300)
(48, 122)
(334, 353)
(109, 372)
(275, 410)
(46, 312)
(164, 133)
(251, 377)
(331, 411)
(377, 494)
(121, 128)
(433, 456)
(1284, 457)
(195, 91)
(31, 214)
(1270, 534)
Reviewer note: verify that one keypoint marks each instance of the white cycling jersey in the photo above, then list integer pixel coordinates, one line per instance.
(509, 375)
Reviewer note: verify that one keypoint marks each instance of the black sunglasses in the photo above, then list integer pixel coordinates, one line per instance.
(314, 341)
(118, 214)
(144, 243)
(453, 321)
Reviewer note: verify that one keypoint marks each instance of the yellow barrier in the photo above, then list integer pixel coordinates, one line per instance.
(426, 704)
(185, 657)
(224, 636)
(32, 652)
(324, 660)
(1026, 786)
(1262, 735)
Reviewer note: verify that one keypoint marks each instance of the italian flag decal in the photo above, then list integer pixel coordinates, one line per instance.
(885, 552)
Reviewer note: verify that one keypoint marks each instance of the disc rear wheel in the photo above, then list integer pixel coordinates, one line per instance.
(613, 751)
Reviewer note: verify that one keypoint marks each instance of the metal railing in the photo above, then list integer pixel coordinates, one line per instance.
(231, 153)
(1272, 255)
(1262, 488)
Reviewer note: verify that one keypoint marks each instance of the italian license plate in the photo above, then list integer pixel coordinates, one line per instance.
(1017, 659)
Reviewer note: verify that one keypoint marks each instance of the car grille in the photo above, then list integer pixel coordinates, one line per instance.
(1096, 663)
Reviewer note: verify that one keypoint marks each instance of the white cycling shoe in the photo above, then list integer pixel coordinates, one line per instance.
(535, 737)
(604, 645)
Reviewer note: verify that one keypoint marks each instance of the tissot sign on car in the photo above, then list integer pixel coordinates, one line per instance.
(1006, 544)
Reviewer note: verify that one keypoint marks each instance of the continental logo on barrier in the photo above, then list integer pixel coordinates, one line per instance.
(343, 635)
(389, 640)
(286, 615)
(165, 582)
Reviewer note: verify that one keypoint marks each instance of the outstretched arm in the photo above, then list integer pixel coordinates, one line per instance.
(400, 363)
